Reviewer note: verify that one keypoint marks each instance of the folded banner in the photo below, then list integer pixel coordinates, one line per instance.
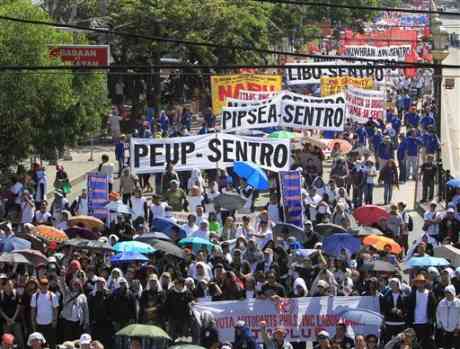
(331, 86)
(363, 105)
(255, 95)
(391, 53)
(98, 194)
(224, 86)
(302, 74)
(301, 318)
(291, 195)
(208, 151)
(285, 113)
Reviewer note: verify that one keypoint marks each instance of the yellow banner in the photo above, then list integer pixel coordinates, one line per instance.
(332, 86)
(229, 86)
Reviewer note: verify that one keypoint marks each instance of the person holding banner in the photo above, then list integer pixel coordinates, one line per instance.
(277, 340)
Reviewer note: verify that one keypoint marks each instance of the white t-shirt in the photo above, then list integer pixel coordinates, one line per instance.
(16, 189)
(107, 169)
(421, 307)
(433, 229)
(194, 202)
(190, 230)
(158, 211)
(42, 217)
(138, 207)
(27, 213)
(44, 304)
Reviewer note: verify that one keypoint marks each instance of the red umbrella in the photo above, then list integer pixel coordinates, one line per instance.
(370, 214)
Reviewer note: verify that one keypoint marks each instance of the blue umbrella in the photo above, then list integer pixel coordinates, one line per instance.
(427, 261)
(128, 257)
(252, 174)
(14, 243)
(196, 243)
(454, 183)
(133, 246)
(334, 244)
(118, 207)
(164, 225)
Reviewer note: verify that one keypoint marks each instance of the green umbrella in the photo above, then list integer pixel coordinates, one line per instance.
(185, 346)
(138, 330)
(282, 135)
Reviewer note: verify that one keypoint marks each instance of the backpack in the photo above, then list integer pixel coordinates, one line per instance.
(410, 224)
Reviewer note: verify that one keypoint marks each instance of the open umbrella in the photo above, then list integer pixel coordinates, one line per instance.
(143, 331)
(13, 243)
(164, 225)
(167, 248)
(84, 233)
(379, 243)
(49, 234)
(229, 201)
(89, 222)
(362, 316)
(196, 243)
(379, 266)
(98, 246)
(426, 261)
(365, 231)
(133, 246)
(33, 256)
(333, 245)
(13, 258)
(283, 135)
(329, 228)
(128, 257)
(76, 243)
(454, 183)
(370, 214)
(118, 207)
(153, 235)
(252, 174)
(286, 228)
(345, 146)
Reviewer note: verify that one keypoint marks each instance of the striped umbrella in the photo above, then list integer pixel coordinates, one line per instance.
(49, 234)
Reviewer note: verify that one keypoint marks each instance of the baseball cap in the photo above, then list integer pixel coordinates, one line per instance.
(323, 335)
(8, 338)
(85, 338)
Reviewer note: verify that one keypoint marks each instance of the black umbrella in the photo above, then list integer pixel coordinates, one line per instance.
(380, 266)
(329, 229)
(229, 201)
(83, 233)
(286, 228)
(13, 258)
(167, 248)
(98, 245)
(77, 243)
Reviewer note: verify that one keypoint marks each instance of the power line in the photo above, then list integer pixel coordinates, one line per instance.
(364, 8)
(186, 42)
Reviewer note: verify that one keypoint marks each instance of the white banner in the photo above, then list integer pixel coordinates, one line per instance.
(363, 105)
(391, 53)
(247, 95)
(301, 318)
(290, 111)
(210, 151)
(302, 74)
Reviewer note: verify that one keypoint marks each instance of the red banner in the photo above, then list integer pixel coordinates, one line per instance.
(82, 55)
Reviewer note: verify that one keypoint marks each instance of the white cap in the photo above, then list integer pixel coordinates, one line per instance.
(323, 334)
(85, 338)
(35, 336)
(323, 284)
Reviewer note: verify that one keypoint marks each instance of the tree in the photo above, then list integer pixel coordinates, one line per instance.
(42, 111)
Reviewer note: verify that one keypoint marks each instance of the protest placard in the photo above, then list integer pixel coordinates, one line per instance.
(363, 105)
(390, 53)
(208, 151)
(331, 86)
(291, 197)
(98, 194)
(301, 318)
(224, 86)
(255, 95)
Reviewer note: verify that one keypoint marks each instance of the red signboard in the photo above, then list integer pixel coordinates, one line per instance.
(82, 55)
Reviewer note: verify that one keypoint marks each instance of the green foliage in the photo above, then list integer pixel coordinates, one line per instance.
(41, 110)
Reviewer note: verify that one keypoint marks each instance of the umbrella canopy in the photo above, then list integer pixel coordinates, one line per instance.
(370, 214)
(98, 245)
(164, 225)
(454, 183)
(143, 331)
(167, 248)
(379, 243)
(334, 244)
(33, 256)
(363, 316)
(286, 228)
(229, 201)
(329, 228)
(49, 234)
(379, 266)
(13, 258)
(133, 246)
(128, 257)
(83, 233)
(89, 222)
(185, 346)
(426, 261)
(118, 207)
(344, 146)
(152, 236)
(196, 243)
(252, 174)
(14, 243)
(283, 135)
(77, 243)
(365, 231)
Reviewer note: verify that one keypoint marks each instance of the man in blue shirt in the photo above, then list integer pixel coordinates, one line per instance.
(120, 153)
(412, 118)
(385, 151)
(413, 144)
(427, 120)
(361, 135)
(431, 142)
(396, 124)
